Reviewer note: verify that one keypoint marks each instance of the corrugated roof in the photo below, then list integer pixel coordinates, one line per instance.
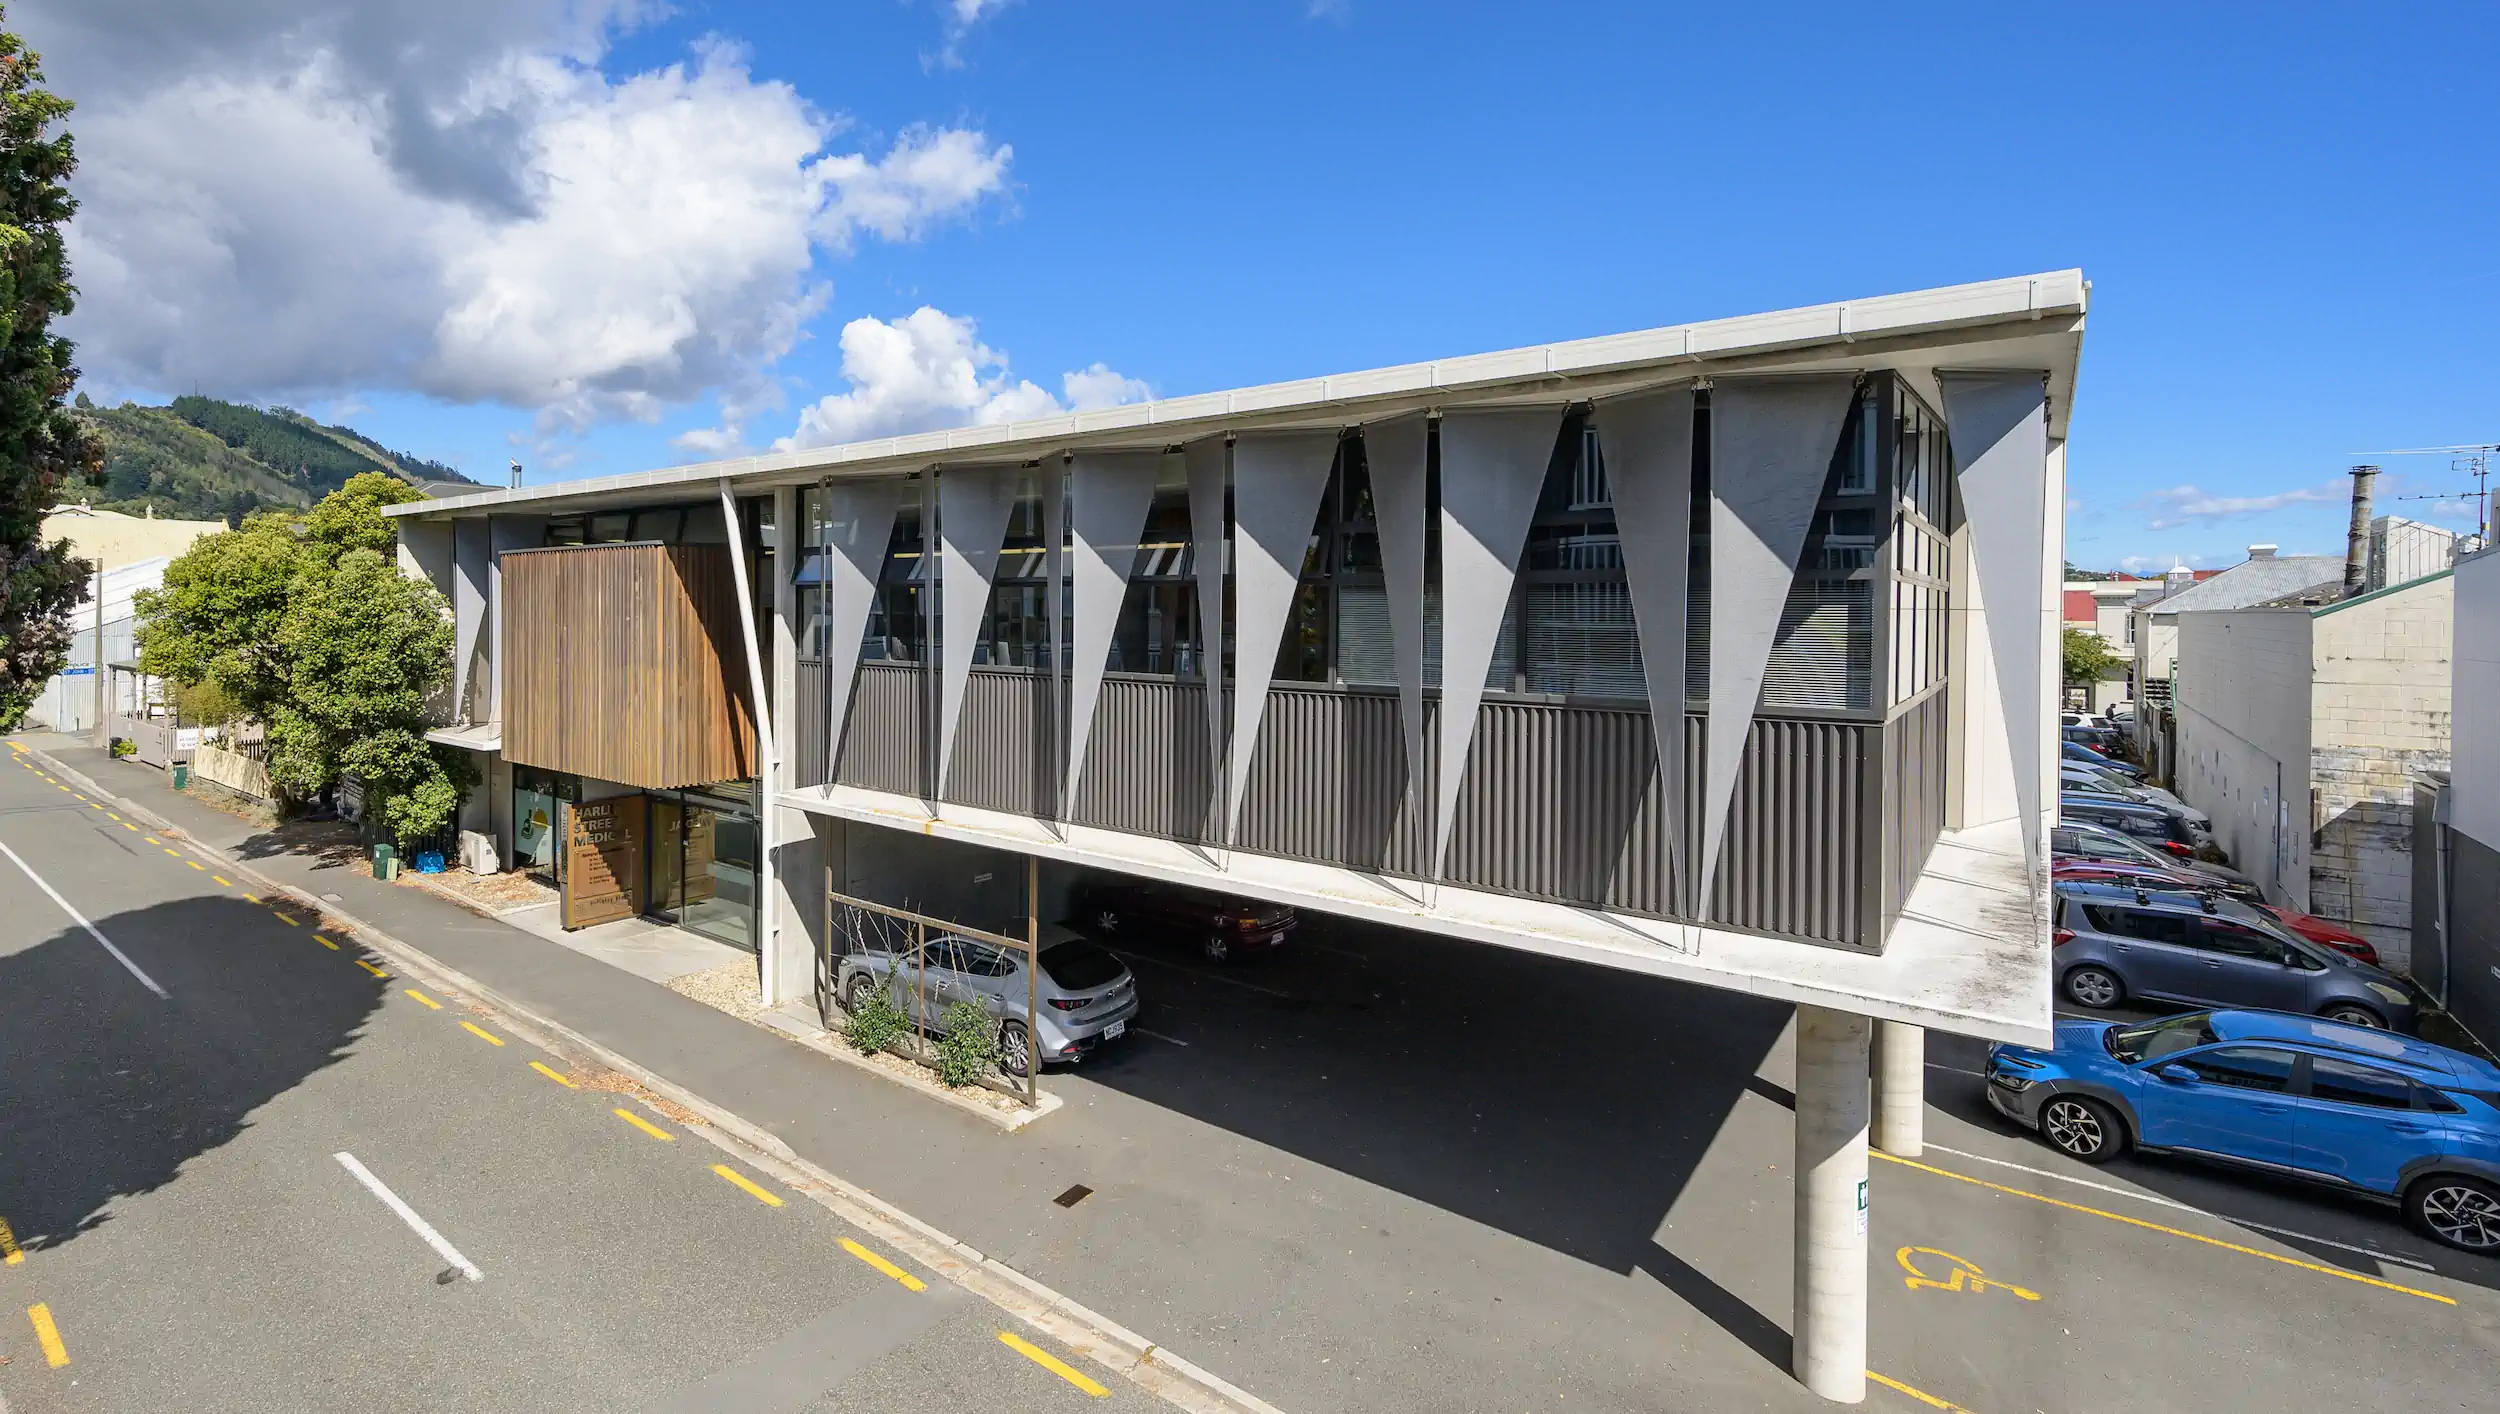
(2254, 582)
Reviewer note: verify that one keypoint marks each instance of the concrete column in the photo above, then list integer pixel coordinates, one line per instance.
(1829, 1306)
(1900, 1088)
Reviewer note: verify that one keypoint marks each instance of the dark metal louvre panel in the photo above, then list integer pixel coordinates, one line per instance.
(810, 752)
(1002, 744)
(1551, 806)
(1792, 862)
(881, 745)
(1329, 782)
(1146, 767)
(1914, 784)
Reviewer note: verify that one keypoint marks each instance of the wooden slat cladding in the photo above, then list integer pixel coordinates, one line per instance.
(624, 663)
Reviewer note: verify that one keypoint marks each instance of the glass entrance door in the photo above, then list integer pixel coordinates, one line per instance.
(703, 868)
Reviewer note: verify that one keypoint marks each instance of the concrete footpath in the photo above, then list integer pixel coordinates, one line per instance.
(757, 1085)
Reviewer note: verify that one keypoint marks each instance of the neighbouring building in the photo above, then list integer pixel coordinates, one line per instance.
(2457, 819)
(2302, 724)
(2099, 606)
(2154, 619)
(133, 552)
(1724, 652)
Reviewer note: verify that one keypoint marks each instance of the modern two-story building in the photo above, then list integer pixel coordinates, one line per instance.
(1724, 652)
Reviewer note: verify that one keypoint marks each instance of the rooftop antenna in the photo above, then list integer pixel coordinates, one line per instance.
(2474, 461)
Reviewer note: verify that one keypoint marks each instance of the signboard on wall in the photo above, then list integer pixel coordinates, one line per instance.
(603, 850)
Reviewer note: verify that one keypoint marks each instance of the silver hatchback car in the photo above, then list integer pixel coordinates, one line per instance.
(1083, 996)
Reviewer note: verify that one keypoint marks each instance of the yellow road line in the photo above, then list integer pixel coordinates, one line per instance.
(116, 816)
(9, 1255)
(291, 923)
(196, 865)
(325, 942)
(1920, 1395)
(151, 839)
(760, 1193)
(646, 1126)
(369, 967)
(553, 1074)
(130, 827)
(881, 1264)
(222, 879)
(420, 996)
(481, 1033)
(1053, 1363)
(2168, 1231)
(48, 1335)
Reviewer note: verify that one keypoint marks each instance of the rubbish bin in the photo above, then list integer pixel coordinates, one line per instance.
(385, 861)
(182, 775)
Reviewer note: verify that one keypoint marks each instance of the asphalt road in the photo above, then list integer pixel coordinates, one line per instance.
(244, 1170)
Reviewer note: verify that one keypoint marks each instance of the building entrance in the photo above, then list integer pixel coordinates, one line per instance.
(704, 865)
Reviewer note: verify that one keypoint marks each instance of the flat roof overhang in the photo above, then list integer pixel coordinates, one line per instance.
(2025, 322)
(1969, 954)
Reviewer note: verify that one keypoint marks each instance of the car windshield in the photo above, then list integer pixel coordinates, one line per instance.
(1080, 966)
(2155, 1039)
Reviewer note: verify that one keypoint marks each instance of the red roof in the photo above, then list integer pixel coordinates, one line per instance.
(2080, 608)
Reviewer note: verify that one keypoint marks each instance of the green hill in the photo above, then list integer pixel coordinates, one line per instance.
(203, 459)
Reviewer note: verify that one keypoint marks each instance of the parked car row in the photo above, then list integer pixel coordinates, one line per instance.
(2110, 943)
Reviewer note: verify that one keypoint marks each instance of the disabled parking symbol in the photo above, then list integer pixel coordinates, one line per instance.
(1952, 1273)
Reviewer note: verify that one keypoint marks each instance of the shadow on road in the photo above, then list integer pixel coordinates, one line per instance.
(1564, 1104)
(107, 1091)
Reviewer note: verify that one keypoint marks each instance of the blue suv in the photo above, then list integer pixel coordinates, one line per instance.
(2386, 1116)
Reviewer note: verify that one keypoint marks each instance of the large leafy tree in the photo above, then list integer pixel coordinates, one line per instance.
(310, 628)
(2088, 657)
(42, 442)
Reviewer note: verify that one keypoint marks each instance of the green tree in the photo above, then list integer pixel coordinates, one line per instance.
(2088, 657)
(310, 628)
(43, 443)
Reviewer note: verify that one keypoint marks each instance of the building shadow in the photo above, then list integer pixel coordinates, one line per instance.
(1568, 1105)
(108, 1091)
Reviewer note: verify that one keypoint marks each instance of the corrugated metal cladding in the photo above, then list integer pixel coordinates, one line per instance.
(1914, 745)
(1560, 802)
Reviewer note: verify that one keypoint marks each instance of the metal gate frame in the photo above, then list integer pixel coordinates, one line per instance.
(890, 922)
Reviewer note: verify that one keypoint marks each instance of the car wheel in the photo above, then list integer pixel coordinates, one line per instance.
(2352, 1015)
(2086, 1129)
(2461, 1212)
(1107, 921)
(1015, 1050)
(1218, 948)
(857, 991)
(2095, 987)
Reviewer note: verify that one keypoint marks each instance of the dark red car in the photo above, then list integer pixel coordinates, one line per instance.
(2318, 930)
(1220, 927)
(2068, 870)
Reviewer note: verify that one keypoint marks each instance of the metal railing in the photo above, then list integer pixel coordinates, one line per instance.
(855, 926)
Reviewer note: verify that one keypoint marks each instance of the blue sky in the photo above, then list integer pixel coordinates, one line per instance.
(2284, 213)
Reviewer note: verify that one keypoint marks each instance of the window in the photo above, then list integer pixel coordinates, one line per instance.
(2344, 1083)
(2233, 940)
(2144, 924)
(2156, 1039)
(2243, 1068)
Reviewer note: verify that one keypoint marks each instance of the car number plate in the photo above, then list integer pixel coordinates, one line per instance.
(1115, 1031)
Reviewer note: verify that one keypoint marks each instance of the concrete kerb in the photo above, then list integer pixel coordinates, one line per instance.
(1080, 1328)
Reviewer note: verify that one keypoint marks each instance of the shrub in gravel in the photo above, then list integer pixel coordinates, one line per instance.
(878, 1025)
(969, 1049)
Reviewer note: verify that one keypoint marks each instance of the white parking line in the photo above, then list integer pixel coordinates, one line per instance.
(1159, 1036)
(2160, 1202)
(408, 1215)
(118, 955)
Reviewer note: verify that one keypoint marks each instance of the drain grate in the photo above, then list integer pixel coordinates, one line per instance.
(1075, 1195)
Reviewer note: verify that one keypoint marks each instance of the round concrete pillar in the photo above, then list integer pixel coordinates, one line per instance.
(1829, 1313)
(1900, 1088)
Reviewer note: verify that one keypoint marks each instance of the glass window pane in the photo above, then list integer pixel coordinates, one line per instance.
(2243, 1068)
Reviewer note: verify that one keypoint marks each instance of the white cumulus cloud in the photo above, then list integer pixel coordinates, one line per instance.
(929, 370)
(307, 198)
(2191, 505)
